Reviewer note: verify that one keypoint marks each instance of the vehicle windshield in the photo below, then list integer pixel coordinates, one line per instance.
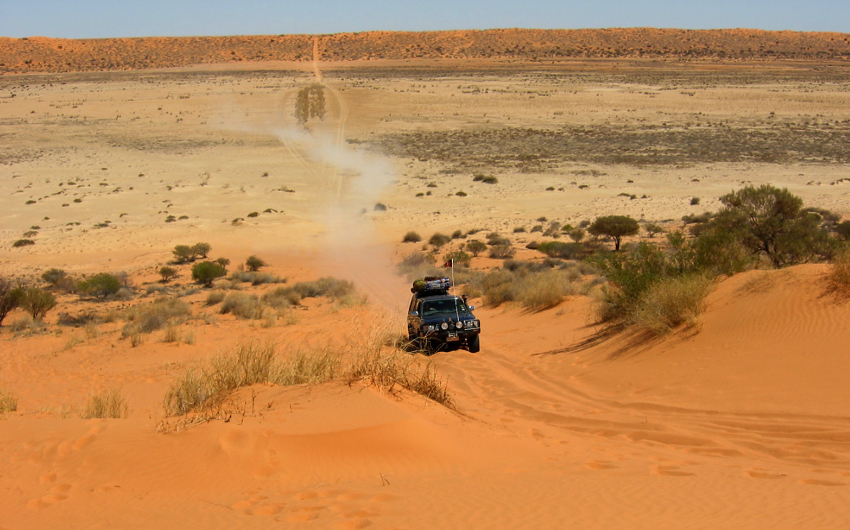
(435, 307)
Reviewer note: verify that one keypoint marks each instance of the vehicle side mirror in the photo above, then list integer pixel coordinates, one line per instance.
(414, 313)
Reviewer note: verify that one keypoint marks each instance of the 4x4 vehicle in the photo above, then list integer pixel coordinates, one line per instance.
(439, 320)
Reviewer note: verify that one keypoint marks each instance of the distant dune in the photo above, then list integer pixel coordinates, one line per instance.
(41, 54)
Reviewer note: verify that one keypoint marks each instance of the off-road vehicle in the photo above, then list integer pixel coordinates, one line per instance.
(438, 320)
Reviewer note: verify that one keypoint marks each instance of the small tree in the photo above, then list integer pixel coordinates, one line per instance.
(9, 298)
(438, 240)
(206, 272)
(167, 273)
(458, 257)
(200, 250)
(615, 227)
(183, 254)
(411, 237)
(253, 263)
(476, 247)
(37, 302)
(53, 276)
(576, 234)
(224, 262)
(652, 229)
(100, 285)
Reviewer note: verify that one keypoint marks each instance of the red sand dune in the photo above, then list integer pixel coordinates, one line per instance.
(41, 54)
(743, 424)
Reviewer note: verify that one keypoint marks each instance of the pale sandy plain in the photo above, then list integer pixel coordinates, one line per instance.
(744, 424)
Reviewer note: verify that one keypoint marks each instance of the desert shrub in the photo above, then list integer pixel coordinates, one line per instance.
(475, 247)
(771, 222)
(533, 286)
(652, 229)
(224, 262)
(697, 218)
(109, 404)
(10, 298)
(670, 303)
(8, 402)
(418, 265)
(200, 250)
(411, 237)
(379, 207)
(206, 272)
(614, 226)
(183, 254)
(253, 263)
(533, 245)
(253, 214)
(487, 179)
(458, 234)
(558, 249)
(249, 364)
(167, 273)
(306, 368)
(838, 276)
(629, 275)
(394, 372)
(100, 285)
(537, 228)
(519, 229)
(53, 276)
(459, 258)
(695, 201)
(553, 230)
(214, 298)
(145, 318)
(23, 243)
(282, 297)
(843, 230)
(438, 240)
(242, 305)
(576, 234)
(502, 252)
(37, 302)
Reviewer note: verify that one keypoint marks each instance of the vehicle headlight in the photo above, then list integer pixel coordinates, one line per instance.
(459, 325)
(429, 328)
(471, 323)
(444, 326)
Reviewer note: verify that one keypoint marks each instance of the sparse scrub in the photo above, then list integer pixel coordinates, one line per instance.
(109, 404)
(411, 237)
(214, 298)
(838, 276)
(459, 258)
(23, 243)
(502, 252)
(671, 303)
(145, 318)
(476, 247)
(100, 285)
(206, 272)
(438, 240)
(10, 298)
(486, 179)
(253, 263)
(37, 302)
(167, 273)
(242, 305)
(614, 226)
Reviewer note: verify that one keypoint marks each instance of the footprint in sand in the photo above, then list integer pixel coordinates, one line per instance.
(57, 494)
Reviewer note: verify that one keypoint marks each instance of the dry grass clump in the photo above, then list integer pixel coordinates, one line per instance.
(838, 276)
(145, 318)
(8, 402)
(206, 388)
(534, 288)
(109, 404)
(242, 305)
(255, 278)
(397, 371)
(672, 302)
(340, 291)
(214, 298)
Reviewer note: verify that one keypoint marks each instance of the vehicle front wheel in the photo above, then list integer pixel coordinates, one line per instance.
(474, 344)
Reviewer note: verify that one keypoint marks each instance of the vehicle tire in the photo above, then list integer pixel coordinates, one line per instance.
(474, 344)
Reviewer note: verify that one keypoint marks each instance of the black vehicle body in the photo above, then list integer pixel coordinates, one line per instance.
(438, 320)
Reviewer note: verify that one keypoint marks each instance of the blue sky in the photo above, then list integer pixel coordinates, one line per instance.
(142, 18)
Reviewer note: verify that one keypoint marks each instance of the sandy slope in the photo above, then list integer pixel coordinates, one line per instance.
(724, 427)
(742, 425)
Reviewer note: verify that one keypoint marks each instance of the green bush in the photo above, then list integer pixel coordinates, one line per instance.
(206, 272)
(100, 285)
(10, 298)
(167, 273)
(23, 243)
(459, 257)
(558, 249)
(253, 263)
(37, 302)
(145, 318)
(614, 226)
(475, 247)
(411, 237)
(183, 254)
(671, 303)
(438, 240)
(502, 252)
(54, 276)
(200, 250)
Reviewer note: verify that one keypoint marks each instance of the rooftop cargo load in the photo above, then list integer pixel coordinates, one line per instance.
(431, 284)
